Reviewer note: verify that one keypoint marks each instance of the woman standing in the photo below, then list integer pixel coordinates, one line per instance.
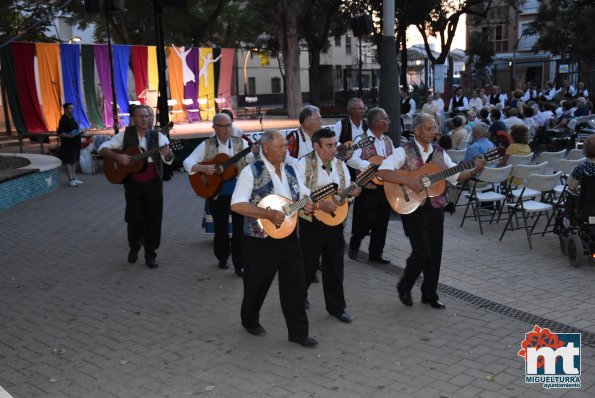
(70, 143)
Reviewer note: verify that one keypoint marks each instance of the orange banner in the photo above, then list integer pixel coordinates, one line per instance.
(176, 85)
(50, 86)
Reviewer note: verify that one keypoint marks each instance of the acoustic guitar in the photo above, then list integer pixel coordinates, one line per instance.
(348, 146)
(340, 214)
(206, 186)
(287, 206)
(404, 200)
(377, 160)
(116, 172)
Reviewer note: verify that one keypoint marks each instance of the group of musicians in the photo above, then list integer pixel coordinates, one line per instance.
(270, 170)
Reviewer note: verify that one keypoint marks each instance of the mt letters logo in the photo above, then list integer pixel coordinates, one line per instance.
(553, 359)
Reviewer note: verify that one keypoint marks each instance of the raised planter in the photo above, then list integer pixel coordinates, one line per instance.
(21, 184)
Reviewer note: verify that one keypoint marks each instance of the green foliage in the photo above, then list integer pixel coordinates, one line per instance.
(565, 26)
(480, 48)
(31, 18)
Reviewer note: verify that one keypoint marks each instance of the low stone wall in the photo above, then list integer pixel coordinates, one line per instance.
(19, 185)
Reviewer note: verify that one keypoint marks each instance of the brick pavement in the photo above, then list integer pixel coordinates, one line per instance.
(76, 320)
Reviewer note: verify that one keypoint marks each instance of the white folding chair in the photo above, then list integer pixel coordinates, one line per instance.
(192, 112)
(205, 106)
(566, 167)
(513, 160)
(174, 109)
(251, 108)
(526, 209)
(552, 159)
(494, 176)
(221, 103)
(574, 154)
(519, 176)
(456, 155)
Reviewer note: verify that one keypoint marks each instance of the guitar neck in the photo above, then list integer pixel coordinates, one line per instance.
(146, 154)
(235, 158)
(345, 193)
(297, 205)
(441, 175)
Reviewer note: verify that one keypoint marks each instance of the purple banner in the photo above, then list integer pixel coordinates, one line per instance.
(102, 62)
(191, 87)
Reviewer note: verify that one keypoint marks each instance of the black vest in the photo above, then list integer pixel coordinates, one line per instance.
(494, 99)
(346, 133)
(131, 140)
(406, 106)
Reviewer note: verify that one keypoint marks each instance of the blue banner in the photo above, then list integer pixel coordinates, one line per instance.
(121, 61)
(70, 58)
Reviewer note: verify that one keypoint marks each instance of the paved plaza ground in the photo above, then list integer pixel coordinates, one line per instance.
(76, 320)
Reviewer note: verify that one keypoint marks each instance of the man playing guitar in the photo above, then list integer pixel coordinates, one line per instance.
(317, 169)
(143, 190)
(224, 143)
(371, 211)
(424, 226)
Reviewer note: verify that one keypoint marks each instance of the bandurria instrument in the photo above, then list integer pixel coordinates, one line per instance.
(349, 146)
(287, 206)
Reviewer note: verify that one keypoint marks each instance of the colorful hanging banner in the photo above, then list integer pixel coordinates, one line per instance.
(121, 60)
(9, 79)
(101, 54)
(176, 84)
(50, 85)
(23, 58)
(153, 71)
(89, 87)
(225, 77)
(206, 76)
(191, 87)
(140, 71)
(70, 56)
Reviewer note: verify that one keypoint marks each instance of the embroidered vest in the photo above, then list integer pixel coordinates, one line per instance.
(413, 162)
(312, 176)
(370, 151)
(263, 186)
(346, 133)
(131, 140)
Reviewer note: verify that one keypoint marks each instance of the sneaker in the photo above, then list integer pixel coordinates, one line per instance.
(73, 183)
(79, 182)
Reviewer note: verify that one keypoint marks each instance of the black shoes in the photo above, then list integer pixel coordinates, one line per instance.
(379, 259)
(450, 208)
(406, 298)
(223, 264)
(344, 317)
(152, 263)
(304, 341)
(240, 272)
(436, 303)
(132, 256)
(255, 330)
(352, 254)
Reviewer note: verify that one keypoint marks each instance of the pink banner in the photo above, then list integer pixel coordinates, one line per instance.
(226, 76)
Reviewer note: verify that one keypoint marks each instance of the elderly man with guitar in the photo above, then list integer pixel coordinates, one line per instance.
(371, 211)
(319, 168)
(270, 243)
(424, 221)
(144, 186)
(213, 167)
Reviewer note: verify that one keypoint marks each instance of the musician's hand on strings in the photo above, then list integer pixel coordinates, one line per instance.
(209, 169)
(414, 184)
(309, 208)
(166, 152)
(327, 206)
(356, 192)
(480, 164)
(123, 159)
(275, 216)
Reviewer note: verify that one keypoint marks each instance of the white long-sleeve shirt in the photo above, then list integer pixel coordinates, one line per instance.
(198, 155)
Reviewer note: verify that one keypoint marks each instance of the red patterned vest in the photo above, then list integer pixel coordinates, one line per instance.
(413, 162)
(370, 151)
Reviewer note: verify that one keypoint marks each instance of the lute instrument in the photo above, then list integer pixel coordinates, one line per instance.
(291, 209)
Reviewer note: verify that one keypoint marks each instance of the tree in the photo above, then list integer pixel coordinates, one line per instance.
(31, 19)
(319, 20)
(443, 20)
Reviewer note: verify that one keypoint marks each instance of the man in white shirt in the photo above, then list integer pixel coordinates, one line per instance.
(318, 169)
(300, 140)
(263, 255)
(548, 93)
(371, 211)
(219, 205)
(512, 119)
(354, 124)
(143, 190)
(407, 109)
(496, 97)
(424, 226)
(458, 103)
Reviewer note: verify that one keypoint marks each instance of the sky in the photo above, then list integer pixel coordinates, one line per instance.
(414, 37)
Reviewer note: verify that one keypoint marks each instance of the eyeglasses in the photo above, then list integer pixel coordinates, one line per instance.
(143, 116)
(223, 125)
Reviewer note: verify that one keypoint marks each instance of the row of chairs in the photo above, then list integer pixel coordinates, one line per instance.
(523, 192)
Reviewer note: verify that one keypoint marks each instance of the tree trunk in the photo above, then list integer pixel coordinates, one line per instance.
(314, 76)
(403, 37)
(289, 43)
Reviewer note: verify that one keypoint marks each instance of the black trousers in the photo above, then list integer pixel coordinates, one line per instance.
(220, 211)
(144, 212)
(318, 239)
(262, 259)
(425, 228)
(371, 212)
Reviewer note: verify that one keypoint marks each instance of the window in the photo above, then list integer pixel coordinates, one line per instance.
(500, 38)
(526, 42)
(275, 85)
(252, 85)
(337, 41)
(348, 44)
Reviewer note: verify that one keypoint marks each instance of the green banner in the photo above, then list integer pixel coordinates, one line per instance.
(88, 64)
(9, 81)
